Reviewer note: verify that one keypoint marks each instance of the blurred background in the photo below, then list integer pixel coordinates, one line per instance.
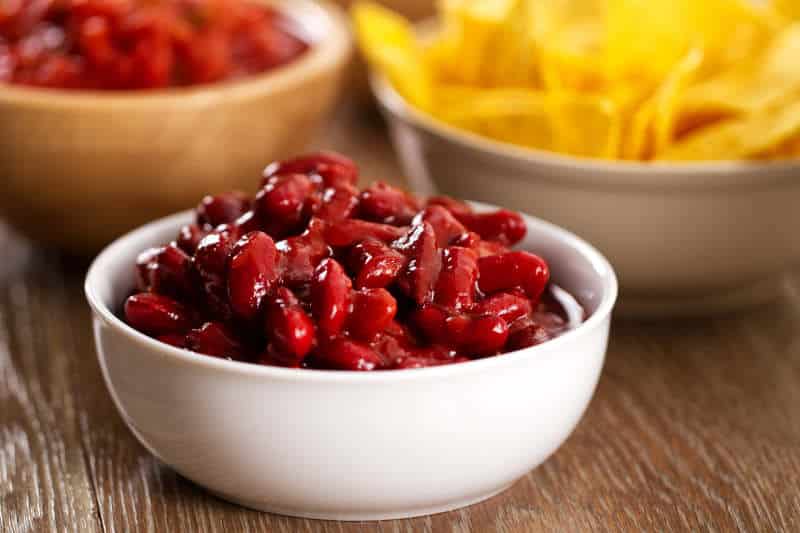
(656, 126)
(83, 143)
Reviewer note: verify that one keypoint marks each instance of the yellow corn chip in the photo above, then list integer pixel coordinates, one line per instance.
(653, 124)
(638, 138)
(460, 104)
(644, 37)
(517, 116)
(475, 23)
(616, 79)
(759, 83)
(788, 8)
(585, 125)
(388, 42)
(789, 149)
(740, 138)
(512, 51)
(569, 59)
(667, 98)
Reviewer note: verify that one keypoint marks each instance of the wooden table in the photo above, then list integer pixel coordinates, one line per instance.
(695, 425)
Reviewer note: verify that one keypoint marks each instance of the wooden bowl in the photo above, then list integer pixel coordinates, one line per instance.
(81, 168)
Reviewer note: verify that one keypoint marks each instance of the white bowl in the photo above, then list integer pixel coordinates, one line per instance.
(686, 239)
(348, 445)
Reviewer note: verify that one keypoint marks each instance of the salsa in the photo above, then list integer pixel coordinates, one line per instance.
(312, 272)
(140, 44)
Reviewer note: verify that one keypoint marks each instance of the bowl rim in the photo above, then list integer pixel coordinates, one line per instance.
(322, 24)
(670, 175)
(99, 269)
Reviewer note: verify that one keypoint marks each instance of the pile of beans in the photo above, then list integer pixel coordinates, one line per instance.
(140, 44)
(314, 273)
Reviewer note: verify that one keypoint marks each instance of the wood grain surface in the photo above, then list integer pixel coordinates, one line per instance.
(695, 425)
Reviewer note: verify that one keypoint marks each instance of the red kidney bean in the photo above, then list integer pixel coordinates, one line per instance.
(376, 264)
(468, 239)
(487, 248)
(422, 270)
(143, 262)
(451, 204)
(481, 336)
(156, 314)
(503, 226)
(392, 346)
(210, 263)
(189, 237)
(513, 269)
(165, 270)
(351, 231)
(509, 305)
(300, 255)
(272, 357)
(383, 203)
(252, 271)
(345, 354)
(332, 168)
(483, 248)
(215, 339)
(221, 209)
(288, 327)
(334, 175)
(455, 288)
(330, 297)
(211, 257)
(444, 224)
(373, 311)
(247, 222)
(337, 203)
(430, 321)
(177, 340)
(486, 336)
(280, 204)
(438, 352)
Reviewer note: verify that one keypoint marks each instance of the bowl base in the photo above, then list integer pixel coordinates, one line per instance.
(731, 300)
(350, 516)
